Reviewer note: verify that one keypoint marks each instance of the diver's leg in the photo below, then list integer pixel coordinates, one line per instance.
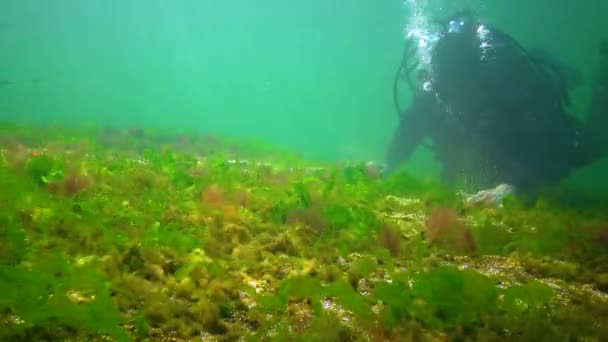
(597, 121)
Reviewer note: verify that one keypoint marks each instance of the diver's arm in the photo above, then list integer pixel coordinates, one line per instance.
(412, 129)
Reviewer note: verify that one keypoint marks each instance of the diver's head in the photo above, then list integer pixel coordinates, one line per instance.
(456, 26)
(459, 22)
(456, 56)
(455, 60)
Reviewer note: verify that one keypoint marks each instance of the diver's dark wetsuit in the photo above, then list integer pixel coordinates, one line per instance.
(496, 114)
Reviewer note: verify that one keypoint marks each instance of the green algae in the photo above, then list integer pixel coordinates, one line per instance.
(144, 235)
(54, 296)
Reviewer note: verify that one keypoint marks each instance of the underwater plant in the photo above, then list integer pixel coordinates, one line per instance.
(127, 236)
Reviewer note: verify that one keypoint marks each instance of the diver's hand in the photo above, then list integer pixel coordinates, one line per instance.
(488, 197)
(375, 169)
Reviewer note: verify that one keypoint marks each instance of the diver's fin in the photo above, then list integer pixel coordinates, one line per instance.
(597, 120)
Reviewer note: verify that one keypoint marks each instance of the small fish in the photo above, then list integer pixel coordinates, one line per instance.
(5, 83)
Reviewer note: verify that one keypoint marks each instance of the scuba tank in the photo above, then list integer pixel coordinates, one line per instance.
(465, 42)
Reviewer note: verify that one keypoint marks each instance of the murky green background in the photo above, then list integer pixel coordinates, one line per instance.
(314, 76)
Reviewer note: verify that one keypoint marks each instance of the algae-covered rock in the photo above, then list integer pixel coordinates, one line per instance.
(153, 272)
(284, 243)
(157, 314)
(553, 268)
(602, 281)
(329, 273)
(185, 289)
(133, 259)
(210, 317)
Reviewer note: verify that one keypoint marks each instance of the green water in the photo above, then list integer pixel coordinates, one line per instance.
(314, 76)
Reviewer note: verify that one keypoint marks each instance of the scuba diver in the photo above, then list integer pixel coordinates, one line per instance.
(496, 112)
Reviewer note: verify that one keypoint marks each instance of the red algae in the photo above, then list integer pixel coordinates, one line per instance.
(444, 227)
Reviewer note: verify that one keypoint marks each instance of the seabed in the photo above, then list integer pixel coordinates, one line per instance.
(136, 235)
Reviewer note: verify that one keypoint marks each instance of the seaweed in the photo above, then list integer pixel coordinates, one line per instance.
(144, 234)
(54, 295)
